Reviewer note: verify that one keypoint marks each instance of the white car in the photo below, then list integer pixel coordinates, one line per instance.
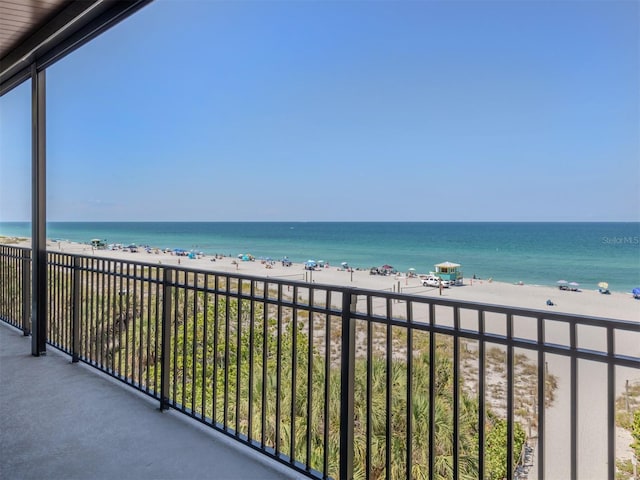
(433, 281)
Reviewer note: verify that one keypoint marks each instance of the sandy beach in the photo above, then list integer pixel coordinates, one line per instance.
(588, 301)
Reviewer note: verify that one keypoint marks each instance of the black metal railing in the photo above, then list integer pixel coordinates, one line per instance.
(342, 382)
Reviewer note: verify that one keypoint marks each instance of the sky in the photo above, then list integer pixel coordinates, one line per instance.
(340, 111)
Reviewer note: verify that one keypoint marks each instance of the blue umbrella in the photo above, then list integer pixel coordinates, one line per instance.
(636, 292)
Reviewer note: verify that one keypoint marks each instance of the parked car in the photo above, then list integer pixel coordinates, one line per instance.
(434, 281)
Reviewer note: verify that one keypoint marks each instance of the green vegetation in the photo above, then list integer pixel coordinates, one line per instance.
(11, 290)
(212, 377)
(267, 372)
(628, 417)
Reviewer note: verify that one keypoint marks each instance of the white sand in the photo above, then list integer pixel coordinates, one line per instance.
(618, 305)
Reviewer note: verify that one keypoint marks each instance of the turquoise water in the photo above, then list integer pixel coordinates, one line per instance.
(535, 253)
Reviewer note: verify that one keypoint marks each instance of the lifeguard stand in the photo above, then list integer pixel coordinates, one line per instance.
(449, 271)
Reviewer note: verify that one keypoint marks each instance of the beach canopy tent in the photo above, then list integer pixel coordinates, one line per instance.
(35, 35)
(603, 287)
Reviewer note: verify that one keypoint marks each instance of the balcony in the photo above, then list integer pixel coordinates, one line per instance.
(61, 420)
(328, 381)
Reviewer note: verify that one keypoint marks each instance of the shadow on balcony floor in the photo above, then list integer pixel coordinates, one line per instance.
(62, 420)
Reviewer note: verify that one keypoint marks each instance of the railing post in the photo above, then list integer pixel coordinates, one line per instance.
(26, 292)
(347, 380)
(167, 292)
(40, 289)
(75, 317)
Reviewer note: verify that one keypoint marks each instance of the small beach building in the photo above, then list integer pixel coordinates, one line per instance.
(449, 271)
(98, 243)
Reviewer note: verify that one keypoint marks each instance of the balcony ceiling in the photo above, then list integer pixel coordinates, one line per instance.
(43, 31)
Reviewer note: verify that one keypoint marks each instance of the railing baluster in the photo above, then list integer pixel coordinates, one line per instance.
(26, 292)
(456, 394)
(278, 369)
(611, 405)
(542, 385)
(510, 387)
(157, 345)
(120, 319)
(409, 393)
(573, 414)
(205, 344)
(227, 314)
(174, 322)
(327, 383)
(265, 357)
(432, 391)
(75, 315)
(481, 394)
(347, 380)
(92, 321)
(135, 341)
(294, 388)
(252, 312)
(125, 323)
(369, 406)
(167, 290)
(185, 295)
(195, 344)
(216, 338)
(238, 355)
(388, 391)
(310, 329)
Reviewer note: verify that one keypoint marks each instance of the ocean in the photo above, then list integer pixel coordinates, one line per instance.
(534, 253)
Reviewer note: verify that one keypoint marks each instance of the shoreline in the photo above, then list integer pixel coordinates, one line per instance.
(533, 252)
(618, 305)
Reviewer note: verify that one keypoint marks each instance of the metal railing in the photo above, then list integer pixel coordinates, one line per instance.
(342, 382)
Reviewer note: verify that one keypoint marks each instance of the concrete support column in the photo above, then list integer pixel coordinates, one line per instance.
(38, 213)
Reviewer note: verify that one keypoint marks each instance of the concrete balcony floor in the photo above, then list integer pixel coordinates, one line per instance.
(60, 420)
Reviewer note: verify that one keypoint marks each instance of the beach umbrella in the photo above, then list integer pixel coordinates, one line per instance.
(636, 291)
(574, 284)
(562, 282)
(604, 285)
(344, 264)
(412, 269)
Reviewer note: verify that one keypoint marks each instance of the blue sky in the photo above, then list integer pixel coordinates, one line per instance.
(332, 111)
